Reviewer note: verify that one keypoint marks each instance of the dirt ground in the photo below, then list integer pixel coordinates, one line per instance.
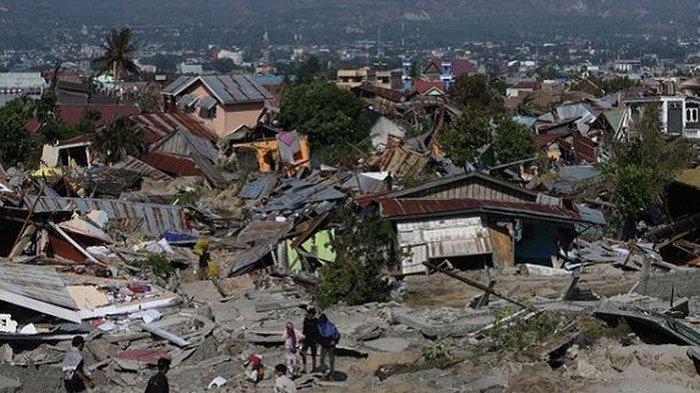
(437, 290)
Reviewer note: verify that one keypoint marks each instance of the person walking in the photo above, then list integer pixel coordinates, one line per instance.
(292, 344)
(159, 382)
(75, 377)
(328, 337)
(310, 332)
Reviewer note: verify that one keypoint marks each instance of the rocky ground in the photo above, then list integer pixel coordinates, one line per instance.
(427, 339)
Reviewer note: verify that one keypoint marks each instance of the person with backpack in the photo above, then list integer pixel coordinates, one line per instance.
(328, 337)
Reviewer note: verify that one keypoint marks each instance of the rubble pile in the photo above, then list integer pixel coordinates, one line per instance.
(209, 250)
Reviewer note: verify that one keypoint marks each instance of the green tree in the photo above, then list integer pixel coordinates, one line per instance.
(476, 93)
(308, 71)
(363, 250)
(462, 138)
(415, 70)
(119, 139)
(224, 65)
(513, 141)
(639, 170)
(329, 116)
(16, 143)
(547, 71)
(118, 54)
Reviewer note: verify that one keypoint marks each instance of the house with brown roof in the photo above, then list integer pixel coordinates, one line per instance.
(457, 67)
(223, 103)
(475, 220)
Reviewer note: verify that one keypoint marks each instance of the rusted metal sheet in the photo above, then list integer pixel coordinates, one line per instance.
(152, 219)
(136, 165)
(398, 209)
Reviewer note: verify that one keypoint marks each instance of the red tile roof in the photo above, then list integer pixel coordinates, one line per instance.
(171, 164)
(73, 113)
(459, 66)
(404, 208)
(33, 125)
(423, 87)
(528, 85)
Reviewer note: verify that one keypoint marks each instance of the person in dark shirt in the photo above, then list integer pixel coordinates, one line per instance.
(159, 382)
(310, 343)
(328, 337)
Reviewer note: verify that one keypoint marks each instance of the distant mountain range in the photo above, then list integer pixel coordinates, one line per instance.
(441, 21)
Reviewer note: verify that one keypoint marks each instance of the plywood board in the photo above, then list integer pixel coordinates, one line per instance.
(87, 297)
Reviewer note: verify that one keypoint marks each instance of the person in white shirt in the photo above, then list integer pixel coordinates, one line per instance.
(282, 383)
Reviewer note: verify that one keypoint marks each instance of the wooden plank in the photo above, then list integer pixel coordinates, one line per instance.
(502, 246)
(39, 306)
(179, 341)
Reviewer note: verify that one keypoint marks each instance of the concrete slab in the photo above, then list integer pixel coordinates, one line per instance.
(203, 291)
(388, 344)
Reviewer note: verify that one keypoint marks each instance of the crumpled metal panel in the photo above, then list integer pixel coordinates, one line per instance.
(153, 219)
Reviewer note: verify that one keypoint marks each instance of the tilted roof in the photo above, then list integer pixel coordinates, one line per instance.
(227, 89)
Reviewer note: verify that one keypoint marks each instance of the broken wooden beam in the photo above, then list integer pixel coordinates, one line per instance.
(478, 285)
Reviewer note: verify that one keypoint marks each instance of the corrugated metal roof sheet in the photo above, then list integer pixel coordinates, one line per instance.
(404, 208)
(136, 165)
(36, 282)
(228, 89)
(154, 219)
(161, 124)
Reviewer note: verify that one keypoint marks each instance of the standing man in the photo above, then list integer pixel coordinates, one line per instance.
(310, 332)
(159, 382)
(282, 383)
(202, 248)
(328, 337)
(75, 377)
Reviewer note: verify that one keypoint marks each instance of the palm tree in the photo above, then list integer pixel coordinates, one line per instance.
(121, 138)
(117, 58)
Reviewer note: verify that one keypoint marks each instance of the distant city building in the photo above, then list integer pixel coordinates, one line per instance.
(16, 84)
(190, 69)
(265, 50)
(235, 55)
(387, 79)
(628, 66)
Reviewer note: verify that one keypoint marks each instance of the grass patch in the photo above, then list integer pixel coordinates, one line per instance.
(159, 265)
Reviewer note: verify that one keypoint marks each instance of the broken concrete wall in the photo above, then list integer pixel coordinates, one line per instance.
(685, 281)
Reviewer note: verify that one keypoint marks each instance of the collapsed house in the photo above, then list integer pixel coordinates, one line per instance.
(475, 220)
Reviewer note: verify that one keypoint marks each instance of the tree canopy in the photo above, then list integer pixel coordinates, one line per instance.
(16, 143)
(308, 70)
(119, 51)
(362, 247)
(119, 139)
(639, 170)
(476, 93)
(330, 117)
(513, 141)
(462, 138)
